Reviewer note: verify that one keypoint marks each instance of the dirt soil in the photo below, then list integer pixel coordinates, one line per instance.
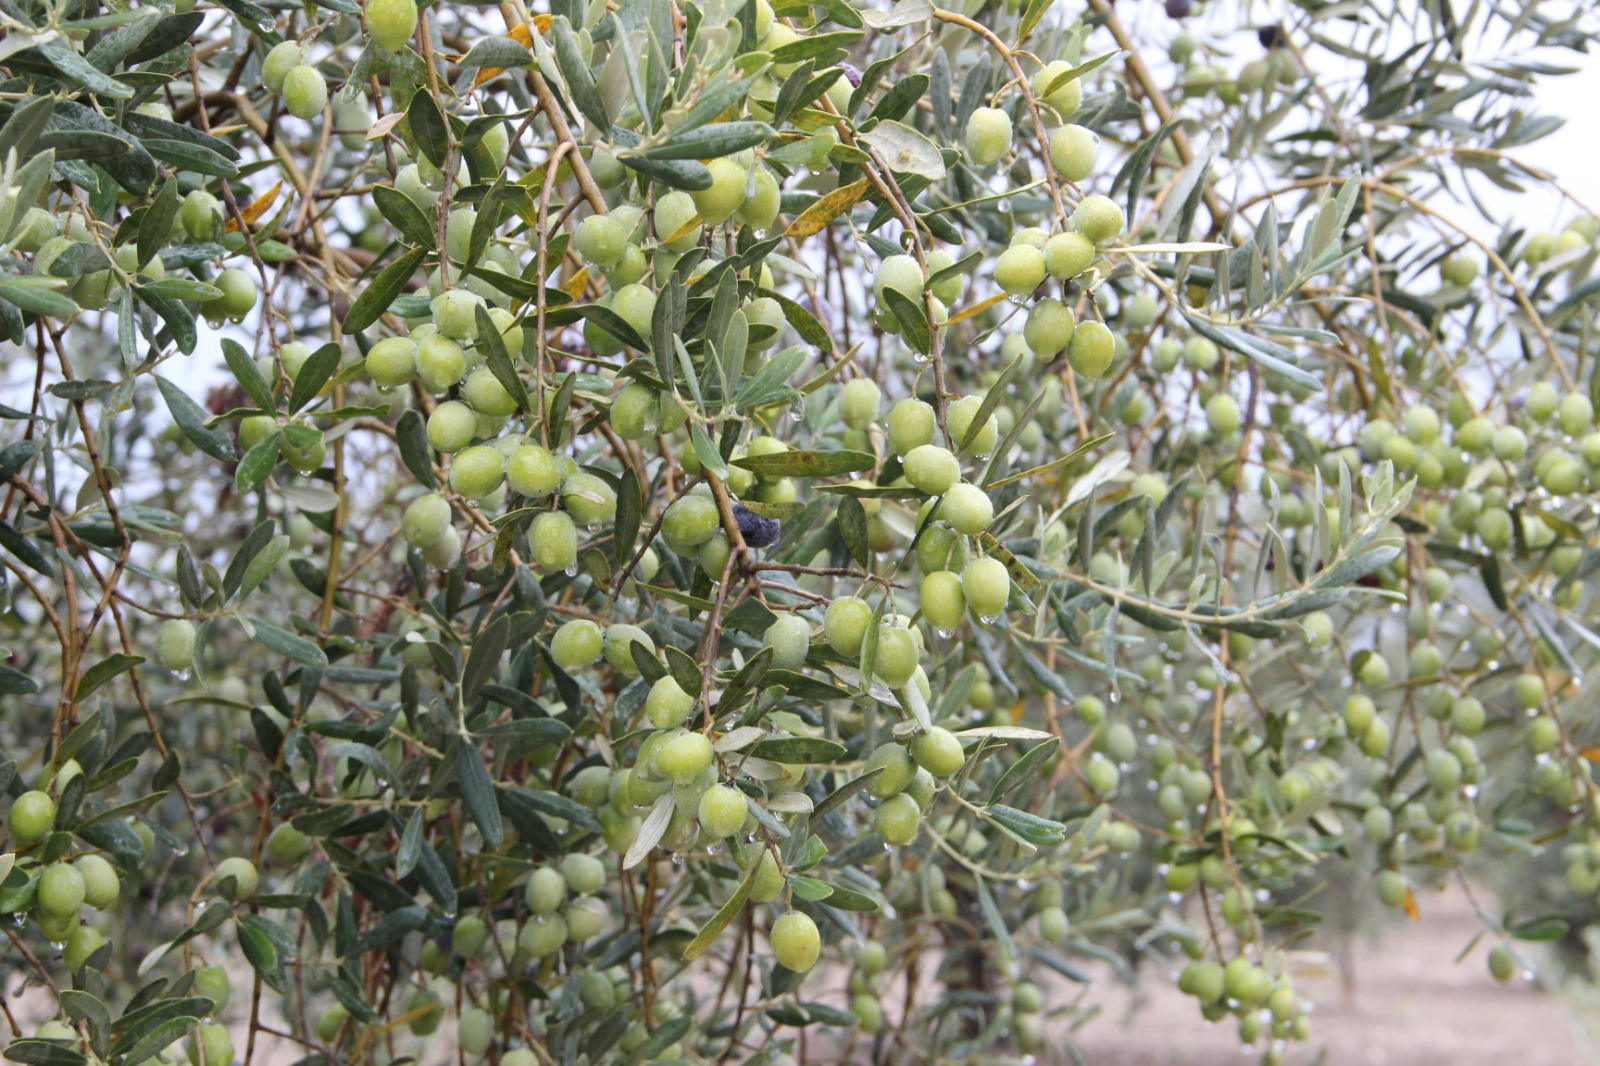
(1410, 1004)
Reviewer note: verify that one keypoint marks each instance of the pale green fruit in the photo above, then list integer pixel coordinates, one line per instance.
(484, 393)
(902, 273)
(553, 540)
(718, 203)
(61, 891)
(760, 209)
(440, 362)
(475, 1030)
(1098, 218)
(1091, 350)
(201, 215)
(1073, 150)
(353, 120)
(391, 22)
(897, 820)
(455, 314)
(1066, 255)
(275, 68)
(212, 983)
(576, 644)
(722, 811)
(427, 1012)
(408, 181)
(1020, 269)
(532, 471)
(618, 646)
(175, 643)
(988, 135)
(769, 879)
(667, 705)
(845, 624)
(236, 878)
(896, 661)
(305, 92)
(584, 874)
(683, 756)
(392, 362)
(545, 891)
(944, 602)
(636, 412)
(931, 469)
(939, 752)
(590, 500)
(1051, 86)
(959, 418)
(673, 212)
(586, 919)
(1049, 327)
(789, 637)
(1222, 414)
(967, 509)
(947, 292)
(32, 815)
(477, 471)
(911, 424)
(601, 240)
(896, 767)
(211, 1045)
(796, 944)
(859, 402)
(452, 426)
(987, 585)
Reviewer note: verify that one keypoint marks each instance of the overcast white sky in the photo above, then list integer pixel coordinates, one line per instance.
(1572, 153)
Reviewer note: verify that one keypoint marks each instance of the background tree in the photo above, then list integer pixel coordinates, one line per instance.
(694, 495)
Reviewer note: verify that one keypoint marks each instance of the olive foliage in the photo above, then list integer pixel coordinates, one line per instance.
(706, 531)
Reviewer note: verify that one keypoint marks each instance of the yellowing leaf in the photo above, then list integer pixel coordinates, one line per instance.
(258, 207)
(523, 36)
(1591, 753)
(577, 283)
(976, 309)
(684, 230)
(1410, 905)
(815, 218)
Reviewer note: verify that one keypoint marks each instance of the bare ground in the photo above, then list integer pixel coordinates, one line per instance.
(1407, 1003)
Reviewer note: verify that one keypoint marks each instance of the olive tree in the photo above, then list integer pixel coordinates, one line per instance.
(730, 531)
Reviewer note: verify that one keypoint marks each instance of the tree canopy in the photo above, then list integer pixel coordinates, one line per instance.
(664, 531)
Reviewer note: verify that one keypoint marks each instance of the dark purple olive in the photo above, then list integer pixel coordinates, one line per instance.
(1270, 36)
(1178, 8)
(758, 532)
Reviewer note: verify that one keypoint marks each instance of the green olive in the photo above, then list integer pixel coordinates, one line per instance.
(305, 92)
(391, 22)
(796, 944)
(988, 135)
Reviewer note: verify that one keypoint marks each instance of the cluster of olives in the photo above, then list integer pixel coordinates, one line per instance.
(1540, 246)
(286, 73)
(485, 462)
(1263, 1003)
(1279, 68)
(199, 218)
(554, 919)
(907, 779)
(59, 888)
(424, 183)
